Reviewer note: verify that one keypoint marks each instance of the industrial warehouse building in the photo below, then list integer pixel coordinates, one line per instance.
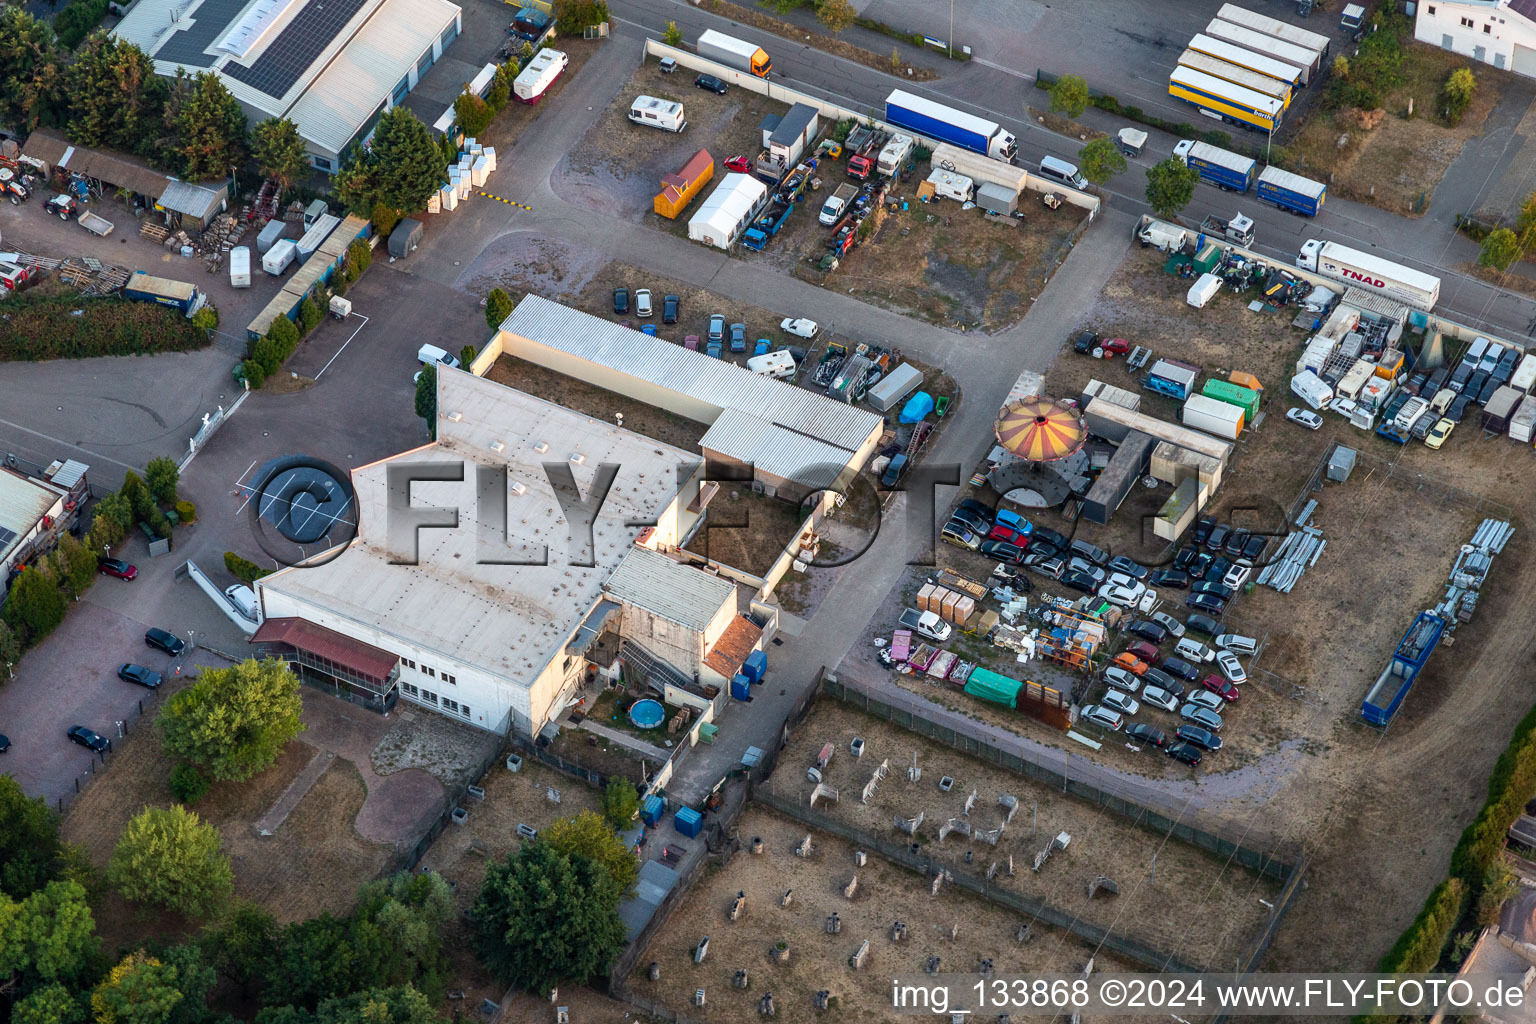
(791, 441)
(1497, 32)
(330, 66)
(491, 636)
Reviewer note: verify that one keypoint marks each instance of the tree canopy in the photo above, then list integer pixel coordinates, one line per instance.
(140, 989)
(169, 857)
(35, 606)
(543, 916)
(114, 97)
(279, 150)
(402, 167)
(233, 722)
(31, 853)
(210, 126)
(1069, 95)
(1100, 160)
(1170, 186)
(1500, 249)
(589, 835)
(29, 68)
(47, 938)
(498, 306)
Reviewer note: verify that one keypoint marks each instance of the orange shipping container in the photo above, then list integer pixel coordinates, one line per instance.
(678, 190)
(947, 608)
(964, 609)
(1245, 380)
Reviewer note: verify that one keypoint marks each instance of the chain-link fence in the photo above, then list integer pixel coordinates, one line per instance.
(100, 760)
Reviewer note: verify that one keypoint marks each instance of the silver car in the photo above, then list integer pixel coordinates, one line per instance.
(1126, 680)
(1204, 699)
(1201, 716)
(1103, 716)
(1231, 667)
(1157, 697)
(1122, 702)
(1237, 643)
(643, 302)
(1174, 627)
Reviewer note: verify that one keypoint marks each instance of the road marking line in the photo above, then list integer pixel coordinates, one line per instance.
(509, 202)
(343, 348)
(70, 444)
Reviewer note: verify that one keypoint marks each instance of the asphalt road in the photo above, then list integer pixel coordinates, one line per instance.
(1001, 92)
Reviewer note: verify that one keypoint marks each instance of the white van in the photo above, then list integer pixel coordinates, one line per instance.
(663, 114)
(430, 354)
(243, 598)
(1063, 172)
(779, 365)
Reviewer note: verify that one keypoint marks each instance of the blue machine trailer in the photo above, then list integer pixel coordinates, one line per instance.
(757, 236)
(142, 287)
(1413, 650)
(936, 121)
(1226, 170)
(1292, 192)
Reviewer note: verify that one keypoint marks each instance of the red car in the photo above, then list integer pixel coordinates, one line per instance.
(117, 567)
(1220, 687)
(1114, 346)
(1145, 651)
(738, 164)
(1009, 535)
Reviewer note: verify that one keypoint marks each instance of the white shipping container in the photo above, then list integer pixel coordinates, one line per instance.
(450, 198)
(1525, 373)
(278, 258)
(240, 267)
(489, 152)
(1522, 425)
(1213, 417)
(435, 203)
(464, 188)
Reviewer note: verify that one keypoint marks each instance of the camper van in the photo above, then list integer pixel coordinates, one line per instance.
(663, 114)
(779, 365)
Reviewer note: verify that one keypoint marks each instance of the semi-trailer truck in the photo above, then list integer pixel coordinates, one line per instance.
(1226, 170)
(1363, 270)
(947, 124)
(1292, 192)
(735, 53)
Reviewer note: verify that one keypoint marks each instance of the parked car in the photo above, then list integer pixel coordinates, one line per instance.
(1016, 521)
(1122, 596)
(1106, 717)
(1237, 643)
(1231, 667)
(1236, 577)
(1215, 569)
(739, 164)
(1186, 752)
(1206, 603)
(1132, 568)
(1085, 343)
(1082, 565)
(1129, 662)
(1198, 715)
(620, 301)
(1121, 678)
(971, 520)
(138, 674)
(1220, 591)
(1151, 735)
(1235, 541)
(738, 337)
(649, 330)
(1174, 627)
(762, 347)
(117, 567)
(1204, 624)
(979, 508)
(1221, 687)
(1193, 650)
(1163, 681)
(1078, 580)
(1046, 535)
(894, 471)
(1049, 566)
(1199, 737)
(716, 327)
(1304, 417)
(1002, 551)
(1439, 432)
(1203, 527)
(643, 303)
(5, 743)
(1180, 669)
(714, 351)
(1171, 579)
(1159, 698)
(1254, 549)
(164, 640)
(1098, 556)
(711, 83)
(956, 534)
(1009, 535)
(799, 326)
(1146, 650)
(88, 738)
(1199, 564)
(691, 342)
(1217, 537)
(1121, 702)
(670, 305)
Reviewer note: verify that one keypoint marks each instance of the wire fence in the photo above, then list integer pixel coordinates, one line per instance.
(102, 759)
(453, 799)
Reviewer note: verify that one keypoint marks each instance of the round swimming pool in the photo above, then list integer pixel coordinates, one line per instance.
(647, 714)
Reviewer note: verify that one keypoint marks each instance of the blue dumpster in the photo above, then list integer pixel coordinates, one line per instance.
(652, 809)
(756, 666)
(741, 687)
(688, 821)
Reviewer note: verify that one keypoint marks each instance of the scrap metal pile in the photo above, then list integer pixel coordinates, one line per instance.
(1296, 554)
(1470, 569)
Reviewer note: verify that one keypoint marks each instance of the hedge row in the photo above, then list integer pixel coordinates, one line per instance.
(1419, 948)
(1181, 129)
(49, 328)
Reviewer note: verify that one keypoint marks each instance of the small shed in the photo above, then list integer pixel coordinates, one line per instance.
(896, 385)
(678, 190)
(405, 238)
(1341, 463)
(997, 199)
(190, 207)
(688, 821)
(793, 133)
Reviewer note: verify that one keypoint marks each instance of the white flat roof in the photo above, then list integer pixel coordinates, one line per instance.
(506, 619)
(679, 593)
(22, 503)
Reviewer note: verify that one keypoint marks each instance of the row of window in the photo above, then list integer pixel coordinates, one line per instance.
(1465, 22)
(453, 707)
(430, 671)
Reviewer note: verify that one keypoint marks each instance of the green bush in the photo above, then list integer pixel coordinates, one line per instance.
(1217, 137)
(1509, 786)
(48, 328)
(254, 372)
(384, 220)
(246, 572)
(186, 511)
(1418, 949)
(188, 784)
(359, 257)
(309, 315)
(206, 319)
(76, 21)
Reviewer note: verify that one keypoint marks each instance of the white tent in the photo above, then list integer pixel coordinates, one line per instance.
(727, 211)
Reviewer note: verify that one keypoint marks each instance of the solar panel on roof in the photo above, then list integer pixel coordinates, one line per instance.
(186, 47)
(296, 47)
(1525, 8)
(6, 535)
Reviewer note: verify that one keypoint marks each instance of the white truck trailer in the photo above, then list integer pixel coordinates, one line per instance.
(1363, 270)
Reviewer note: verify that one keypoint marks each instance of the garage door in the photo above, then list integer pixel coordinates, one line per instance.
(1525, 60)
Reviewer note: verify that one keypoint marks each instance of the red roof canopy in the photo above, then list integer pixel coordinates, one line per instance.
(363, 659)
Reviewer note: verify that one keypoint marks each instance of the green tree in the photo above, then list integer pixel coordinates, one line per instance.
(36, 605)
(1069, 95)
(47, 938)
(359, 256)
(285, 1015)
(10, 654)
(543, 916)
(51, 1004)
(498, 306)
(467, 356)
(402, 169)
(1500, 250)
(141, 989)
(74, 566)
(118, 508)
(310, 315)
(188, 785)
(211, 127)
(206, 319)
(114, 97)
(621, 802)
(106, 528)
(30, 68)
(426, 398)
(589, 835)
(1456, 93)
(1500, 884)
(836, 15)
(77, 20)
(279, 151)
(194, 980)
(240, 946)
(312, 960)
(233, 722)
(404, 916)
(161, 477)
(572, 17)
(31, 853)
(500, 92)
(170, 858)
(472, 113)
(673, 36)
(399, 1004)
(1340, 66)
(1170, 186)
(255, 373)
(1525, 223)
(1100, 160)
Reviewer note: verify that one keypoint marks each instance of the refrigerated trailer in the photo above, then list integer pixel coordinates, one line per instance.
(1363, 270)
(1219, 99)
(735, 53)
(1291, 191)
(1304, 60)
(946, 124)
(1294, 34)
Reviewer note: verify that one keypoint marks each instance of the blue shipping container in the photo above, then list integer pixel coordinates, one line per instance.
(741, 687)
(652, 809)
(688, 821)
(1386, 696)
(756, 666)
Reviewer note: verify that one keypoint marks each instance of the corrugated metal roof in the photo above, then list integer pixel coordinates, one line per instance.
(1373, 302)
(22, 503)
(678, 593)
(774, 449)
(346, 94)
(793, 124)
(192, 200)
(693, 374)
(70, 473)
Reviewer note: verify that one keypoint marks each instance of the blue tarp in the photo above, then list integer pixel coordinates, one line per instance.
(917, 408)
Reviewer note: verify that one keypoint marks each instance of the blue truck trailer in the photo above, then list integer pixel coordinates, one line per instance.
(1413, 651)
(757, 236)
(947, 124)
(1292, 192)
(141, 287)
(1226, 170)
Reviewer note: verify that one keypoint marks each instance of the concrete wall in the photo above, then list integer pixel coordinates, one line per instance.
(673, 642)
